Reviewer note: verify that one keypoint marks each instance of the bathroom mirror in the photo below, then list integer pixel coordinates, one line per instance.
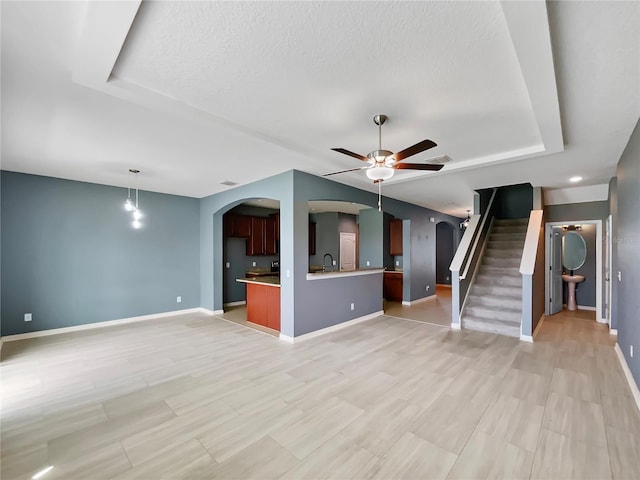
(574, 251)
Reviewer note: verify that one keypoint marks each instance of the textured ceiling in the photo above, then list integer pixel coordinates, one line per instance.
(196, 93)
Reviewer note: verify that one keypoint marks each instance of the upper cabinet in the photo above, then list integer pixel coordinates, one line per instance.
(237, 225)
(312, 238)
(395, 237)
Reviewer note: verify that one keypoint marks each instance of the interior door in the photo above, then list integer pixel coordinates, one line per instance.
(607, 273)
(555, 284)
(347, 251)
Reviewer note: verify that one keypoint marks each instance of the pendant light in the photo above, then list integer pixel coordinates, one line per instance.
(466, 221)
(129, 205)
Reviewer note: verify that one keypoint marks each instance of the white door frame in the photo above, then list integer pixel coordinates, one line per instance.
(547, 262)
(608, 270)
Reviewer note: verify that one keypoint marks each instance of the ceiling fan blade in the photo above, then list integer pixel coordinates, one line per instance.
(351, 154)
(418, 166)
(344, 171)
(412, 150)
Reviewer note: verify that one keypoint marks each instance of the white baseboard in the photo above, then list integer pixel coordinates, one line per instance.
(108, 323)
(613, 331)
(235, 304)
(539, 326)
(526, 338)
(582, 307)
(627, 373)
(332, 328)
(420, 300)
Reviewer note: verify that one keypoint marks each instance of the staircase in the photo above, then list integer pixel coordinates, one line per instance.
(494, 303)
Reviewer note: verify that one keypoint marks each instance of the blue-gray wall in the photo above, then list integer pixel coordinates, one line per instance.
(372, 244)
(327, 237)
(70, 256)
(445, 249)
(626, 251)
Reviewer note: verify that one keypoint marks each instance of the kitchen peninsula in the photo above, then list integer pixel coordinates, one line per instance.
(263, 301)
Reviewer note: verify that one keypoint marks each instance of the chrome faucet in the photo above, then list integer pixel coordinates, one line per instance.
(324, 262)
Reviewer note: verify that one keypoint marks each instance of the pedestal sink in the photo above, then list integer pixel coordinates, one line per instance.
(571, 282)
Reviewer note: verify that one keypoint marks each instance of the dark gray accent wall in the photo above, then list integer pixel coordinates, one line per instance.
(445, 249)
(585, 291)
(577, 211)
(70, 256)
(514, 201)
(626, 252)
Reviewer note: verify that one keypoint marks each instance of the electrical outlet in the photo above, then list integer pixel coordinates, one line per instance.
(253, 264)
(335, 262)
(630, 347)
(447, 278)
(432, 219)
(368, 263)
(27, 317)
(178, 299)
(228, 264)
(619, 276)
(397, 263)
(353, 306)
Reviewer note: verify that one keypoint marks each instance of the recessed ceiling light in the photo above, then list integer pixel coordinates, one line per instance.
(575, 179)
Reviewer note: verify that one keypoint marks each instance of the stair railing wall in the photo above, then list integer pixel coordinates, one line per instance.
(467, 258)
(532, 271)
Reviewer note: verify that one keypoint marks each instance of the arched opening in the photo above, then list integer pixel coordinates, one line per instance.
(251, 250)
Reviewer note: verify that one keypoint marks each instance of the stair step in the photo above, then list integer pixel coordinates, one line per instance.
(498, 270)
(505, 262)
(504, 314)
(511, 221)
(499, 303)
(491, 326)
(486, 279)
(509, 228)
(503, 291)
(509, 237)
(504, 252)
(506, 244)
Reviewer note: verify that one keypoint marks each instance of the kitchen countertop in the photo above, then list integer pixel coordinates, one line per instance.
(270, 281)
(347, 273)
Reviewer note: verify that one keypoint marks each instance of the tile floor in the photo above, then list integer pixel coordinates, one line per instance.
(198, 397)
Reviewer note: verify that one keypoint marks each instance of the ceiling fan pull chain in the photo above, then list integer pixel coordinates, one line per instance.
(379, 196)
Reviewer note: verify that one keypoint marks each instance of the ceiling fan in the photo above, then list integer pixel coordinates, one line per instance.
(383, 163)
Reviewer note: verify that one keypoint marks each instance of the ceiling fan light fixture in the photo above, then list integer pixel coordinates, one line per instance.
(379, 172)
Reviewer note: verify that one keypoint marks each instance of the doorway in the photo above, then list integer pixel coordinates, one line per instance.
(554, 285)
(347, 251)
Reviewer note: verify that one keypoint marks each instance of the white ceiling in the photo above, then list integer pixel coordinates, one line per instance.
(196, 93)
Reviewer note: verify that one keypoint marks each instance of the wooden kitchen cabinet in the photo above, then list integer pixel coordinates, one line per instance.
(270, 237)
(312, 238)
(238, 226)
(263, 305)
(276, 219)
(255, 243)
(392, 286)
(395, 237)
